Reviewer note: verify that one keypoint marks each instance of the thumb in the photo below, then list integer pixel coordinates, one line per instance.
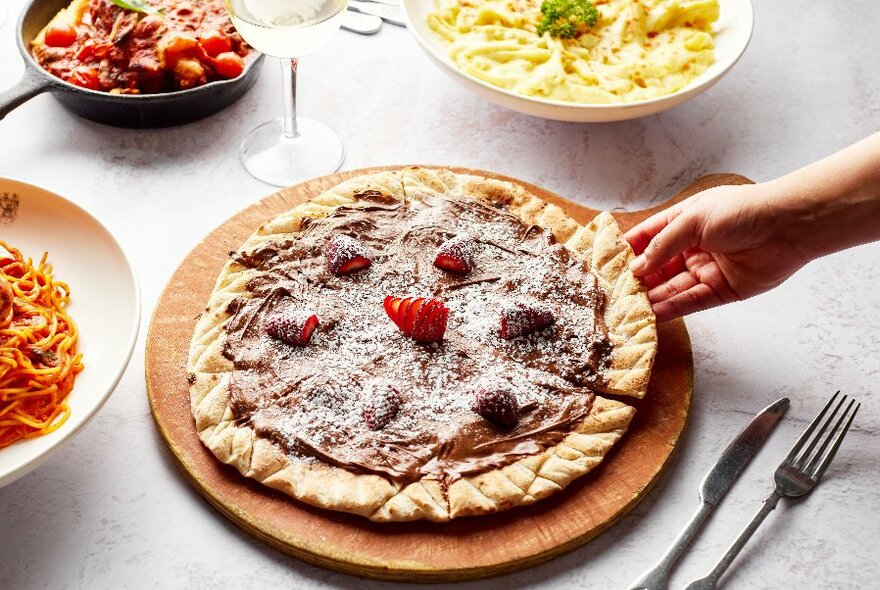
(680, 234)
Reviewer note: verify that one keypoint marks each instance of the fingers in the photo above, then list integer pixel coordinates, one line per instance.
(700, 285)
(697, 298)
(678, 235)
(640, 236)
(666, 272)
(668, 289)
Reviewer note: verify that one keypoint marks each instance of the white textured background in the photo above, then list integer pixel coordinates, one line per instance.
(110, 510)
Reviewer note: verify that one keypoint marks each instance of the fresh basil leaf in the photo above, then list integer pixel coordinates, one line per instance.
(136, 6)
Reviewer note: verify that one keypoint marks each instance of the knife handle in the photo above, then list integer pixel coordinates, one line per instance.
(657, 577)
(711, 580)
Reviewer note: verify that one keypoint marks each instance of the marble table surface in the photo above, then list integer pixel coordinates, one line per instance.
(111, 511)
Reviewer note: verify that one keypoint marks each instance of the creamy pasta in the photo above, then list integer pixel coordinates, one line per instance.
(639, 49)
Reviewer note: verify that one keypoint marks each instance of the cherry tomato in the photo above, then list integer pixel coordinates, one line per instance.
(85, 78)
(60, 35)
(92, 50)
(229, 64)
(215, 43)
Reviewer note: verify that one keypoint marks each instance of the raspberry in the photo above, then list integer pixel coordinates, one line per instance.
(498, 405)
(381, 403)
(524, 317)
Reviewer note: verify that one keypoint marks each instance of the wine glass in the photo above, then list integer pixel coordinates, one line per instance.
(288, 150)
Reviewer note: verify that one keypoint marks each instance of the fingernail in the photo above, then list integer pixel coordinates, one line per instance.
(638, 264)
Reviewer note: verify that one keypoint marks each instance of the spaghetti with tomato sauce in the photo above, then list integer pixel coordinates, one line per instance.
(38, 357)
(99, 45)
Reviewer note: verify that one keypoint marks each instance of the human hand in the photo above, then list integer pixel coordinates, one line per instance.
(723, 244)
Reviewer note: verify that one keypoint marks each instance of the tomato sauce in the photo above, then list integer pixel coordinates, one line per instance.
(121, 51)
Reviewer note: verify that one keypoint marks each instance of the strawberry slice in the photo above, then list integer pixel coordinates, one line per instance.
(291, 326)
(424, 320)
(524, 317)
(392, 308)
(410, 315)
(402, 309)
(431, 325)
(456, 255)
(392, 304)
(346, 255)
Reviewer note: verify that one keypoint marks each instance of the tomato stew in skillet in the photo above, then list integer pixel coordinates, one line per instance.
(98, 45)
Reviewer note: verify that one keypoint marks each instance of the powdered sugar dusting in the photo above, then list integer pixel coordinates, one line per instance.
(315, 396)
(380, 402)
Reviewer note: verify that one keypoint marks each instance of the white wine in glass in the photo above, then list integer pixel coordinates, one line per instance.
(288, 150)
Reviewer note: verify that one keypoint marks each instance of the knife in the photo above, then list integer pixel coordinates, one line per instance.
(715, 485)
(391, 14)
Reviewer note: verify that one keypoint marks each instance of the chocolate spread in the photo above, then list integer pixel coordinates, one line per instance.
(307, 399)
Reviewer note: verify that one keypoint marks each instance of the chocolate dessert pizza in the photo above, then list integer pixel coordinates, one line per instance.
(421, 344)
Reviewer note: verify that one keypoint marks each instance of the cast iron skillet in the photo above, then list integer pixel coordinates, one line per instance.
(121, 110)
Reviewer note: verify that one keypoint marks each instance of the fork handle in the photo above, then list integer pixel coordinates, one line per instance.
(711, 581)
(656, 577)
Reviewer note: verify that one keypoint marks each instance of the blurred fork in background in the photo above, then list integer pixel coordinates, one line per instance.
(365, 24)
(387, 10)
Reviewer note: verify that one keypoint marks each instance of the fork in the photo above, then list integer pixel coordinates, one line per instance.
(796, 476)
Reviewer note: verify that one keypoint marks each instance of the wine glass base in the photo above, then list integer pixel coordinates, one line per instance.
(283, 161)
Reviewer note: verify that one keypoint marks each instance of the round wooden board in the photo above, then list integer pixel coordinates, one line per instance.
(462, 549)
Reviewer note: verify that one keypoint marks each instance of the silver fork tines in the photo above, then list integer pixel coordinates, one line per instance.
(797, 475)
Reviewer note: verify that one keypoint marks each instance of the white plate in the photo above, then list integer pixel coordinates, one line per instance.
(733, 32)
(105, 303)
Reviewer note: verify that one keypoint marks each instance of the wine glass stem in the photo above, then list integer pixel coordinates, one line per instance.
(288, 78)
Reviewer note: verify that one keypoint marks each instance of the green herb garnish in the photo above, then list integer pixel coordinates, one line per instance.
(137, 6)
(46, 357)
(562, 17)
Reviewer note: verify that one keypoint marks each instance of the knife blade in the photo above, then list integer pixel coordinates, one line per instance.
(391, 14)
(714, 486)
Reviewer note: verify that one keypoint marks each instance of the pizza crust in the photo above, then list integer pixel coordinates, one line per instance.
(601, 246)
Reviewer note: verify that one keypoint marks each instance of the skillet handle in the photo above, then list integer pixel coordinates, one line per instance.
(31, 84)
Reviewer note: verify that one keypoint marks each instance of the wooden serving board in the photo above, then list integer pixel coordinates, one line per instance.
(462, 549)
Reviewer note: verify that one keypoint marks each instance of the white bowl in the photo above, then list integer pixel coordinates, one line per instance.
(105, 303)
(733, 32)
